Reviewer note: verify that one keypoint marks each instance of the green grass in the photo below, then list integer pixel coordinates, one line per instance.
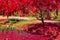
(22, 22)
(3, 28)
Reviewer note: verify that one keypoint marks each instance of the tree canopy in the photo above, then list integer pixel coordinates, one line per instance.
(10, 6)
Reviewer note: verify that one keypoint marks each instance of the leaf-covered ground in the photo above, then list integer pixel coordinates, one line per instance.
(28, 30)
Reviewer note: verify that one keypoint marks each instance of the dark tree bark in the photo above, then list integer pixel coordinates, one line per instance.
(48, 15)
(42, 18)
(56, 14)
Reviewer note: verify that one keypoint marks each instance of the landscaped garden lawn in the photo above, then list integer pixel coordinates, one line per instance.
(29, 19)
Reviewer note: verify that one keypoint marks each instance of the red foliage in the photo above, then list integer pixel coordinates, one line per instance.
(10, 6)
(51, 30)
(13, 35)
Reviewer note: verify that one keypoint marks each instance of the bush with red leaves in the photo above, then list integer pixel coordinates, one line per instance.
(13, 35)
(50, 30)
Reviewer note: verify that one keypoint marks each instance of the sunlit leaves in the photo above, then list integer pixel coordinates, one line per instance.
(11, 6)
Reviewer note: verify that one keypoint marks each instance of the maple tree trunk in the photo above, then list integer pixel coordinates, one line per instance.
(56, 13)
(48, 15)
(42, 18)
